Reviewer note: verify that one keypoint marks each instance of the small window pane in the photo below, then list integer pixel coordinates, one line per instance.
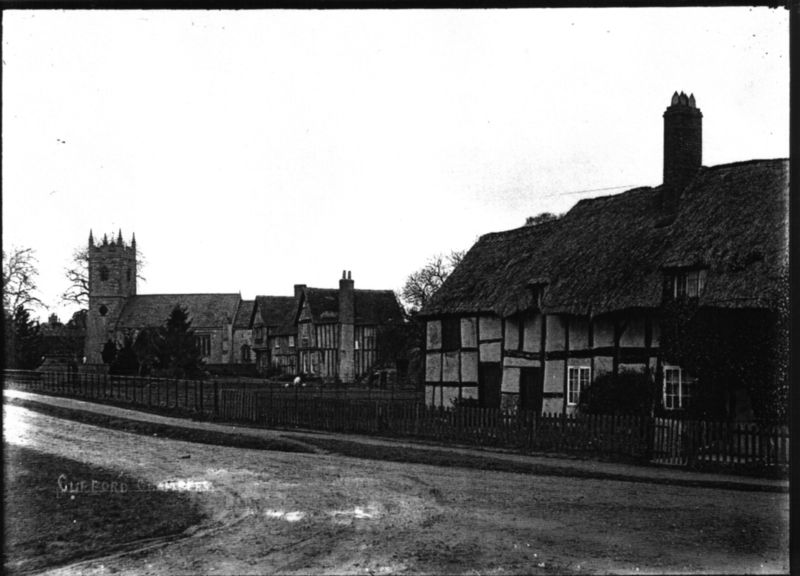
(691, 285)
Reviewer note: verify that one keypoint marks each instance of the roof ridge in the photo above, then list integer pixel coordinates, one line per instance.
(743, 162)
(191, 294)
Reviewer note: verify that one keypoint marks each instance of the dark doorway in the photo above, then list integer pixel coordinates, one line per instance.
(489, 377)
(530, 389)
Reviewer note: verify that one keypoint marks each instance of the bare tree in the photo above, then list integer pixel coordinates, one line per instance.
(19, 279)
(423, 283)
(77, 275)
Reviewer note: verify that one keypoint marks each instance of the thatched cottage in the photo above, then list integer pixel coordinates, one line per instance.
(532, 316)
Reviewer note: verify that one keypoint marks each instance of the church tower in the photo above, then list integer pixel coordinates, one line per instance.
(112, 280)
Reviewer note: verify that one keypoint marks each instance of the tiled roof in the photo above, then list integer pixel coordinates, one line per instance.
(377, 307)
(277, 312)
(205, 310)
(243, 315)
(370, 306)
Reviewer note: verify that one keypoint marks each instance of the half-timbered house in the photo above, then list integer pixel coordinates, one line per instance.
(274, 333)
(532, 316)
(338, 330)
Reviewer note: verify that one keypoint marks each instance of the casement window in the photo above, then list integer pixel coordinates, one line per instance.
(245, 353)
(678, 387)
(291, 341)
(357, 345)
(451, 333)
(203, 343)
(369, 342)
(277, 342)
(577, 380)
(685, 284)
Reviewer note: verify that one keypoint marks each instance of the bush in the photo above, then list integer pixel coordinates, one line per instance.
(632, 393)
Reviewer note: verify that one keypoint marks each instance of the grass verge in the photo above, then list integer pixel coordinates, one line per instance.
(487, 462)
(163, 430)
(47, 527)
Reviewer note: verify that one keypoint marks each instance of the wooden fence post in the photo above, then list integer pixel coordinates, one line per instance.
(216, 398)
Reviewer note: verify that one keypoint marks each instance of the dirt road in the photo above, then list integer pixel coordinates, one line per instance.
(275, 512)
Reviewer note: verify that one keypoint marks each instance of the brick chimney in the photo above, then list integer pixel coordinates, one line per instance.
(346, 327)
(683, 147)
(298, 290)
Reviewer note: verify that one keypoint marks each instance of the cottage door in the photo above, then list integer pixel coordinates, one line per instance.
(530, 389)
(489, 376)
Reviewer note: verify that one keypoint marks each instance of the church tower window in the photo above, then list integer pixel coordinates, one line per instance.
(103, 273)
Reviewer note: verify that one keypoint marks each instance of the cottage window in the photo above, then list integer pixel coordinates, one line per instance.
(203, 343)
(451, 333)
(677, 388)
(291, 341)
(686, 283)
(245, 353)
(577, 380)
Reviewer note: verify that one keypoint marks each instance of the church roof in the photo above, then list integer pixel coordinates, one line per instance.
(610, 253)
(205, 310)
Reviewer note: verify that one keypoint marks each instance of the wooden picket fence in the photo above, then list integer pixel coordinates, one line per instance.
(670, 441)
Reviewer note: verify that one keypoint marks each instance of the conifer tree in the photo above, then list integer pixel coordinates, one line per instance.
(27, 340)
(180, 353)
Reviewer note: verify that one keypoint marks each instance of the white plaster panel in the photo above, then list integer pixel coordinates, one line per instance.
(532, 340)
(451, 371)
(578, 333)
(555, 332)
(632, 367)
(655, 333)
(551, 405)
(433, 367)
(521, 362)
(633, 335)
(512, 334)
(554, 376)
(510, 380)
(602, 365)
(469, 333)
(469, 366)
(434, 334)
(490, 352)
(449, 395)
(469, 392)
(603, 332)
(490, 328)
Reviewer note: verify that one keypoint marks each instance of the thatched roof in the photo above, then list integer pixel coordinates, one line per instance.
(205, 310)
(610, 253)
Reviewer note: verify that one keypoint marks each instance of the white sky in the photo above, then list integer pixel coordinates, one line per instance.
(252, 150)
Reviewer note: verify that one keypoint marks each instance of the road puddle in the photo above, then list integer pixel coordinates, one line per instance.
(294, 516)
